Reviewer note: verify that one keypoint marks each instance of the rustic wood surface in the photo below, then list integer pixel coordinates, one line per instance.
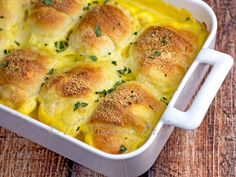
(206, 152)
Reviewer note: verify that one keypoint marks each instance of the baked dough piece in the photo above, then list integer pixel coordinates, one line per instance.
(102, 30)
(161, 56)
(68, 98)
(21, 76)
(54, 18)
(11, 11)
(124, 119)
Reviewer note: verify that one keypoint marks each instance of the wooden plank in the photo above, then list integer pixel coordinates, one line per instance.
(208, 151)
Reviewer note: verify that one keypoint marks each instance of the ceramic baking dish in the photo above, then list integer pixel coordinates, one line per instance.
(139, 161)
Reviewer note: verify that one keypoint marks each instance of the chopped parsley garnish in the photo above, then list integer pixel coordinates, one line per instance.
(51, 71)
(164, 40)
(17, 43)
(95, 2)
(7, 51)
(78, 128)
(164, 100)
(123, 149)
(187, 19)
(114, 63)
(157, 53)
(61, 46)
(98, 31)
(106, 92)
(135, 33)
(48, 2)
(80, 105)
(93, 57)
(46, 78)
(87, 7)
(2, 17)
(18, 69)
(106, 1)
(4, 65)
(124, 71)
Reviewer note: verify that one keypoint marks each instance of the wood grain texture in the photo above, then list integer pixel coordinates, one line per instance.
(206, 152)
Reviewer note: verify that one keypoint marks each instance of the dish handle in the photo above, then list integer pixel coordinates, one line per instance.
(191, 119)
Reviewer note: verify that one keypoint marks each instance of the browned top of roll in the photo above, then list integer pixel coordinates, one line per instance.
(53, 19)
(78, 81)
(115, 108)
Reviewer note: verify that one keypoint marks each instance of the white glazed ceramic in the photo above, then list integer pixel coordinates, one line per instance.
(139, 161)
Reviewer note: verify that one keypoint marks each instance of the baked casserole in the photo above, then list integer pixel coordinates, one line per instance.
(100, 71)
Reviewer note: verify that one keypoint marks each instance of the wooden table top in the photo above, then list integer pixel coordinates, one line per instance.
(206, 152)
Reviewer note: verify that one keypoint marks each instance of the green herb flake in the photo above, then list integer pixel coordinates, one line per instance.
(61, 46)
(187, 19)
(4, 65)
(51, 71)
(164, 100)
(157, 54)
(80, 105)
(164, 40)
(48, 2)
(114, 63)
(95, 2)
(17, 43)
(2, 17)
(106, 1)
(78, 128)
(124, 71)
(135, 33)
(106, 92)
(87, 7)
(83, 104)
(7, 51)
(123, 149)
(93, 57)
(98, 31)
(17, 69)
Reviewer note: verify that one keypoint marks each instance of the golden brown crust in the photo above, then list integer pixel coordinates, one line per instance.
(103, 26)
(115, 113)
(114, 109)
(69, 7)
(173, 48)
(76, 82)
(51, 20)
(163, 55)
(48, 21)
(23, 71)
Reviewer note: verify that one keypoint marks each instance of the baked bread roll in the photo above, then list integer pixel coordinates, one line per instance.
(102, 30)
(161, 56)
(21, 76)
(124, 119)
(54, 17)
(68, 98)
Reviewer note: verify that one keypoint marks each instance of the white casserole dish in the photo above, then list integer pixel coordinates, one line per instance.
(139, 161)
